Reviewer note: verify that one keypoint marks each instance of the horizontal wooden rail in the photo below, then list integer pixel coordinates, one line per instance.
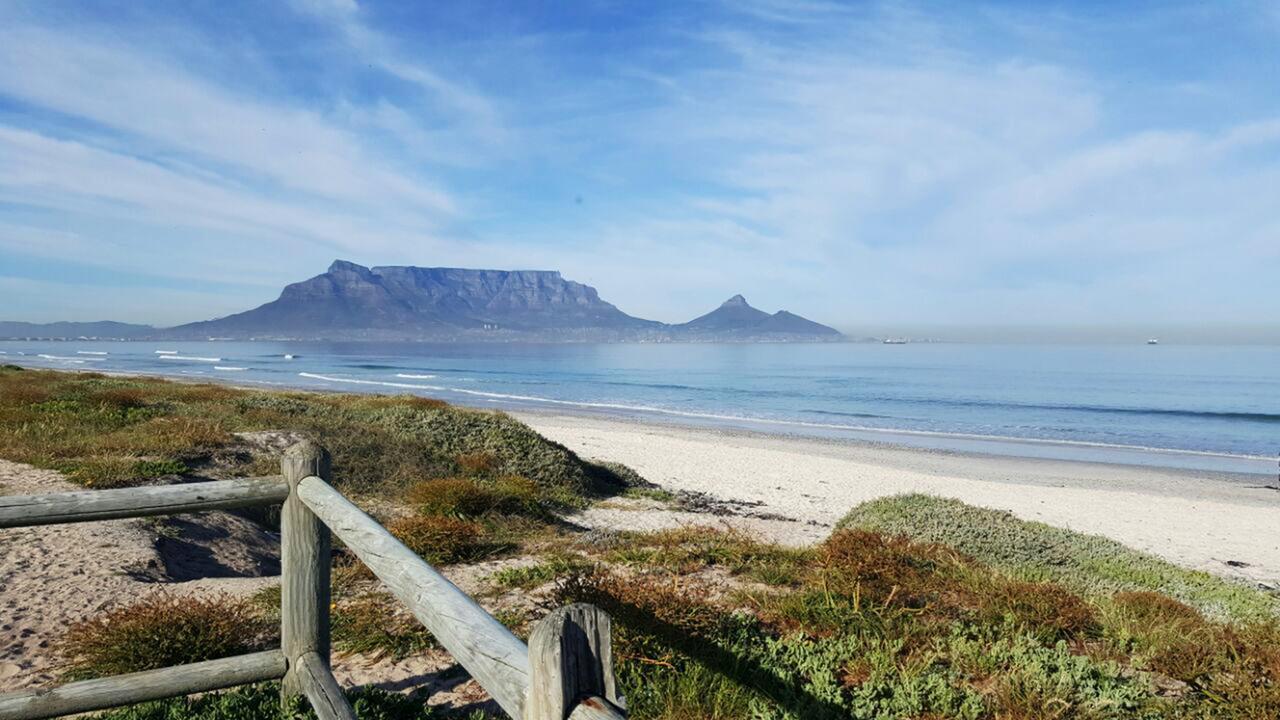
(494, 657)
(103, 693)
(90, 505)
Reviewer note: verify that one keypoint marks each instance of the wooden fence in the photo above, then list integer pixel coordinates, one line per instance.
(566, 671)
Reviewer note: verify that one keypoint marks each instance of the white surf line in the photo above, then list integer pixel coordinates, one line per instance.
(410, 386)
(227, 367)
(166, 352)
(62, 358)
(89, 352)
(190, 358)
(801, 423)
(415, 377)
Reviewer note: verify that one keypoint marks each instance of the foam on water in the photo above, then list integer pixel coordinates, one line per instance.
(190, 358)
(63, 358)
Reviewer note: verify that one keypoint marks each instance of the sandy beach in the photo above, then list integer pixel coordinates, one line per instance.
(1197, 520)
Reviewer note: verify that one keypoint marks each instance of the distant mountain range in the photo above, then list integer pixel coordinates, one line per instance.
(353, 302)
(106, 330)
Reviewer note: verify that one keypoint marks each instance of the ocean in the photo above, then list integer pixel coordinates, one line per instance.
(1193, 407)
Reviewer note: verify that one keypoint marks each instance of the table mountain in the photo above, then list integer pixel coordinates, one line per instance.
(350, 301)
(395, 302)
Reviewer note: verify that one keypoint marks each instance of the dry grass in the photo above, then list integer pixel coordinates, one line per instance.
(445, 540)
(164, 630)
(470, 498)
(376, 625)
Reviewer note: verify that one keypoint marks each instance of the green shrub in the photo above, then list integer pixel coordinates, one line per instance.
(164, 630)
(1088, 564)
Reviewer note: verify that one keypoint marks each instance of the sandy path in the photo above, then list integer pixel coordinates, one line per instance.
(51, 576)
(1195, 521)
(55, 575)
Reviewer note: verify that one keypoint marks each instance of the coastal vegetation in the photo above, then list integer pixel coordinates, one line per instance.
(104, 431)
(914, 607)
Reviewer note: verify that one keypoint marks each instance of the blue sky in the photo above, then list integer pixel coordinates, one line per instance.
(861, 163)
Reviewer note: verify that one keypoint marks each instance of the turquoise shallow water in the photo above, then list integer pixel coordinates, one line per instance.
(1199, 407)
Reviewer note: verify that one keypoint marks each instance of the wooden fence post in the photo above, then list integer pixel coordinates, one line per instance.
(304, 569)
(571, 666)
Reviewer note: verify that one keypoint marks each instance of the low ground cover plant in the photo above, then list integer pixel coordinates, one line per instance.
(881, 626)
(1089, 564)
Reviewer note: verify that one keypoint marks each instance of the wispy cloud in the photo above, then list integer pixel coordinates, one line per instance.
(861, 163)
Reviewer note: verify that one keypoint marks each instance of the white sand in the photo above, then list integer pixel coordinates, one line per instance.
(1197, 521)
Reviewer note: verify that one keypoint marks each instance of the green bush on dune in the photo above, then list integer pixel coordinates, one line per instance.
(1089, 564)
(119, 431)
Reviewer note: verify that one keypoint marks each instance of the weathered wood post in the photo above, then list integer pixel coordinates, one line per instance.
(571, 667)
(304, 569)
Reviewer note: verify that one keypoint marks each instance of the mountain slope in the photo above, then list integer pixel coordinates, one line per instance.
(735, 319)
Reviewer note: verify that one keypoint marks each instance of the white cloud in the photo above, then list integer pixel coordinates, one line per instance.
(170, 110)
(954, 187)
(853, 163)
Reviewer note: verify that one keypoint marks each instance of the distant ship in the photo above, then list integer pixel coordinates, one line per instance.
(895, 341)
(1153, 341)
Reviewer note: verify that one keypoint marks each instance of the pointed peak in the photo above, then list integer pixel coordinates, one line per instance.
(347, 266)
(735, 301)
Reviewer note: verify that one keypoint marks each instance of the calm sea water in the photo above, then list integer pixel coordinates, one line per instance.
(1213, 408)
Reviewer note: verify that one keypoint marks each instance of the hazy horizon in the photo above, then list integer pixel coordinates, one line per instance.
(890, 164)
